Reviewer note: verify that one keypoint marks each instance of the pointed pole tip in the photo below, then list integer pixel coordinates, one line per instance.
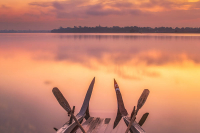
(93, 79)
(115, 81)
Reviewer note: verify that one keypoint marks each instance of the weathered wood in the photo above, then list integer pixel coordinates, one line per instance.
(95, 125)
(121, 107)
(98, 125)
(104, 125)
(86, 125)
(85, 104)
(143, 98)
(69, 126)
(143, 119)
(77, 122)
(60, 98)
(140, 103)
(109, 127)
(117, 119)
(107, 120)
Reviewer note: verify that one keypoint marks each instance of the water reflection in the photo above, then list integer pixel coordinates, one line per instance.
(161, 36)
(32, 64)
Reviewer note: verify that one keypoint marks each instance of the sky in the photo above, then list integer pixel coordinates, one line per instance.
(51, 14)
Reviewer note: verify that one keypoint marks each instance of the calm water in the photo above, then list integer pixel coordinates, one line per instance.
(32, 64)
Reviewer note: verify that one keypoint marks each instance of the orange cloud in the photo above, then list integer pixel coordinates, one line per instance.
(108, 13)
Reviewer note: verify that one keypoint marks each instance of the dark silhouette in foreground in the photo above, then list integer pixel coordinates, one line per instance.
(98, 124)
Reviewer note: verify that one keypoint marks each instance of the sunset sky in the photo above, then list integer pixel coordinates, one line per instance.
(50, 14)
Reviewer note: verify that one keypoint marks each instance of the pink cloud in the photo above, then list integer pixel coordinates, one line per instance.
(84, 13)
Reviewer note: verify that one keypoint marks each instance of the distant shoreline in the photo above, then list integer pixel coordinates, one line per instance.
(128, 29)
(25, 31)
(106, 32)
(114, 29)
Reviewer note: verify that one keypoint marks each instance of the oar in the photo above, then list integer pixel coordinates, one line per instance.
(63, 102)
(117, 119)
(133, 112)
(143, 119)
(55, 129)
(140, 103)
(70, 120)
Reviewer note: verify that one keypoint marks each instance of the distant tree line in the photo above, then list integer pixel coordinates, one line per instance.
(127, 29)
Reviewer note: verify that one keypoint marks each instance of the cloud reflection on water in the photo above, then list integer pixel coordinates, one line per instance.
(162, 62)
(146, 50)
(125, 50)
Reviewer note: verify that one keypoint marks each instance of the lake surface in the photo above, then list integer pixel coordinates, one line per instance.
(166, 64)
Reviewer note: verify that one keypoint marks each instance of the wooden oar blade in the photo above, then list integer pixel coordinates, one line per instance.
(143, 119)
(85, 104)
(117, 119)
(120, 102)
(87, 113)
(141, 102)
(55, 129)
(62, 101)
(143, 98)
